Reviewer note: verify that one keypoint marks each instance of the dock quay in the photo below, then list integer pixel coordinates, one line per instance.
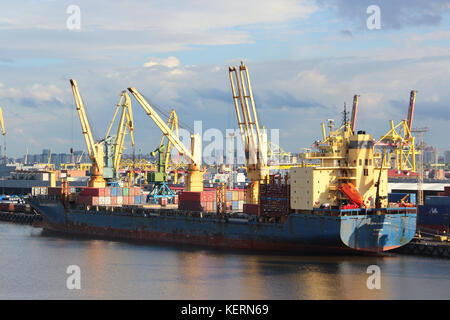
(426, 247)
(20, 217)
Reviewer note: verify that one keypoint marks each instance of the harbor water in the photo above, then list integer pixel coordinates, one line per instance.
(36, 265)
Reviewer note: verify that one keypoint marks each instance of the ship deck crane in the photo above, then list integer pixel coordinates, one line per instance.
(253, 137)
(95, 149)
(194, 181)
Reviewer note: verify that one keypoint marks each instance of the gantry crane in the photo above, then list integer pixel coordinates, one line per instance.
(399, 142)
(194, 179)
(253, 138)
(95, 149)
(126, 123)
(2, 124)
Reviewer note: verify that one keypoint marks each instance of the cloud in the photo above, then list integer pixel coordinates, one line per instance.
(170, 62)
(395, 14)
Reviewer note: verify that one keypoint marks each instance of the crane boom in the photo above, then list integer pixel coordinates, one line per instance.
(2, 122)
(95, 150)
(252, 138)
(412, 102)
(162, 125)
(172, 123)
(354, 112)
(194, 181)
(125, 122)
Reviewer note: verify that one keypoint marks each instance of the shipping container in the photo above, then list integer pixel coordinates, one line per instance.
(436, 200)
(125, 192)
(119, 200)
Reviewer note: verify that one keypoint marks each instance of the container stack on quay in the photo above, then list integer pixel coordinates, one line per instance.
(207, 200)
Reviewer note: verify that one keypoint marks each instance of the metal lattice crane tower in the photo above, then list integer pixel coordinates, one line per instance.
(420, 132)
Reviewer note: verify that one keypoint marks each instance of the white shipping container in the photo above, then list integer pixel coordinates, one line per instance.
(108, 201)
(44, 191)
(119, 200)
(101, 201)
(35, 191)
(241, 205)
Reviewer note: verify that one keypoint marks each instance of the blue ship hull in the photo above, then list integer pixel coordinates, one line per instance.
(315, 232)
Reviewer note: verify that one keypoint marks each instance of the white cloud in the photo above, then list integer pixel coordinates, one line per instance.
(170, 62)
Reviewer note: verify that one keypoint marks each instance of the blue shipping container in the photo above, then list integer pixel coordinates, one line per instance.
(434, 215)
(437, 200)
(137, 199)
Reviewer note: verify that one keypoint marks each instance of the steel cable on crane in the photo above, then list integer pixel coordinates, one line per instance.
(167, 114)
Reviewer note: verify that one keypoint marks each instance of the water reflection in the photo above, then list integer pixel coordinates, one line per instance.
(34, 267)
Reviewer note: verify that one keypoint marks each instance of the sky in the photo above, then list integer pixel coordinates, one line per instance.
(306, 58)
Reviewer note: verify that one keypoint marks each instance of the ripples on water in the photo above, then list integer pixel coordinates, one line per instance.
(33, 266)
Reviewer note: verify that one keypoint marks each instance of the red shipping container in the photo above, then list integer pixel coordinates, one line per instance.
(162, 201)
(250, 208)
(130, 192)
(124, 200)
(107, 192)
(190, 205)
(130, 199)
(190, 196)
(447, 191)
(138, 191)
(210, 206)
(113, 201)
(96, 192)
(54, 191)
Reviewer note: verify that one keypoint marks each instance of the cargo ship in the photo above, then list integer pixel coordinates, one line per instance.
(336, 203)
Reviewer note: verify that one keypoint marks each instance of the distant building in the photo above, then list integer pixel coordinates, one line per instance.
(447, 156)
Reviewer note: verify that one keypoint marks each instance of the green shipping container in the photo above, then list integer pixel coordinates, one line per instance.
(125, 192)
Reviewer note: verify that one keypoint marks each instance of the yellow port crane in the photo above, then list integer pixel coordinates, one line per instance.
(194, 179)
(126, 123)
(253, 137)
(95, 149)
(399, 143)
(2, 124)
(172, 123)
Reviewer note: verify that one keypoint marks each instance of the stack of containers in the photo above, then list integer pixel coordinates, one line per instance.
(206, 200)
(197, 201)
(274, 199)
(109, 196)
